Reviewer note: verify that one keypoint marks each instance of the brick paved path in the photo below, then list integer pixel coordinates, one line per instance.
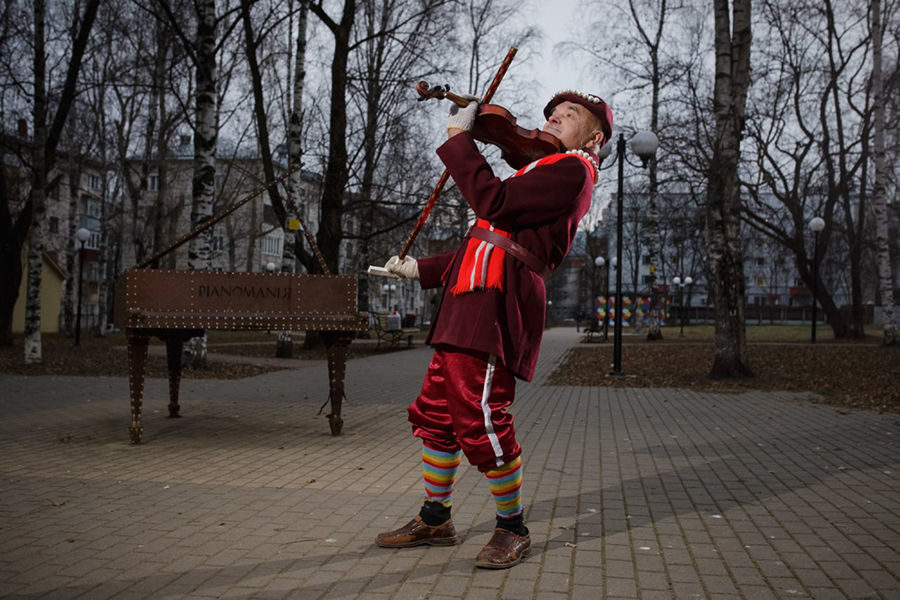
(631, 493)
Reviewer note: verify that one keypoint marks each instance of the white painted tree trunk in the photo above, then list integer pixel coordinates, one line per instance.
(879, 199)
(732, 80)
(33, 347)
(205, 139)
(284, 345)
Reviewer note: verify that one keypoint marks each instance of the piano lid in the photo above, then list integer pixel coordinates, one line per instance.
(214, 300)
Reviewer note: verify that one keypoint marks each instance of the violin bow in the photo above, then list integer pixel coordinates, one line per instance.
(488, 95)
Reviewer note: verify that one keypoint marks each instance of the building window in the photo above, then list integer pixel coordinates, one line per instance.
(272, 245)
(53, 225)
(760, 260)
(94, 182)
(153, 182)
(760, 281)
(92, 207)
(217, 243)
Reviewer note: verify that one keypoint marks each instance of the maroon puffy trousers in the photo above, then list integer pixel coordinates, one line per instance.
(463, 405)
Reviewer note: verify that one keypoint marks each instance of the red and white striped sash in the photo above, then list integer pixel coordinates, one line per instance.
(482, 265)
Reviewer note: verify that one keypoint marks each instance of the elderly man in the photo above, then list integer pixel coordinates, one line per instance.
(487, 330)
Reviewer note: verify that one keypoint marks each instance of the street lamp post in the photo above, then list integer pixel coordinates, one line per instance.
(680, 283)
(600, 262)
(82, 235)
(816, 224)
(677, 281)
(614, 264)
(644, 144)
(388, 288)
(688, 281)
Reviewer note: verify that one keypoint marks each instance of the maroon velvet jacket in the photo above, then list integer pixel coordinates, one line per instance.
(541, 209)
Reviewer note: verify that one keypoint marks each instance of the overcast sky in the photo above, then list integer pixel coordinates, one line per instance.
(558, 19)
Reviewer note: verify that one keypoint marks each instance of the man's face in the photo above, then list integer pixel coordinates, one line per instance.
(573, 125)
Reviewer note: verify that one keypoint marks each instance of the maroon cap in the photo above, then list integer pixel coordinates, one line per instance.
(595, 104)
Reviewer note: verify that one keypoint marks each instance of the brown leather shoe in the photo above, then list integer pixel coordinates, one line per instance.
(504, 550)
(417, 533)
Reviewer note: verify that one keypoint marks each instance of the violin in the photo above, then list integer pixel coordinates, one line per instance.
(445, 176)
(497, 126)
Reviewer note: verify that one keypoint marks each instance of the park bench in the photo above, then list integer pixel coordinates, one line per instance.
(594, 326)
(389, 328)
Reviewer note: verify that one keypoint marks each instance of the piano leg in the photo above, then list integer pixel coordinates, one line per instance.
(137, 356)
(337, 343)
(173, 363)
(175, 340)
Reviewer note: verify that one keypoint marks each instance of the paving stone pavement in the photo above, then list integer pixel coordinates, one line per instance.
(631, 493)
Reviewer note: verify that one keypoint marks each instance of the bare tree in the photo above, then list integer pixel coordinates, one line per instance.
(844, 65)
(811, 132)
(47, 134)
(334, 185)
(102, 71)
(205, 134)
(647, 48)
(784, 135)
(391, 53)
(148, 111)
(202, 48)
(879, 200)
(33, 346)
(652, 40)
(295, 145)
(732, 80)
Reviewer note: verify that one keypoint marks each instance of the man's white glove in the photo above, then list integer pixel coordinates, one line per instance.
(408, 267)
(463, 117)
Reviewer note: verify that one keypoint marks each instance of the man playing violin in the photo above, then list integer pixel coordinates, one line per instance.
(487, 330)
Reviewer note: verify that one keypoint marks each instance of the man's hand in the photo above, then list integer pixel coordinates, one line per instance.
(408, 267)
(463, 117)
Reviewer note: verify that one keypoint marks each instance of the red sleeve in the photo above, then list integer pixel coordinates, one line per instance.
(516, 202)
(431, 268)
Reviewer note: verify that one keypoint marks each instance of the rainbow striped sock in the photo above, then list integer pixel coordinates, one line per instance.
(506, 487)
(439, 470)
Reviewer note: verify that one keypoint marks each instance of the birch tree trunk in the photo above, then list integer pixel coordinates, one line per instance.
(732, 80)
(15, 230)
(295, 143)
(68, 303)
(205, 138)
(33, 350)
(879, 199)
(284, 344)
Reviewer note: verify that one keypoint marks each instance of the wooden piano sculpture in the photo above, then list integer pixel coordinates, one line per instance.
(175, 306)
